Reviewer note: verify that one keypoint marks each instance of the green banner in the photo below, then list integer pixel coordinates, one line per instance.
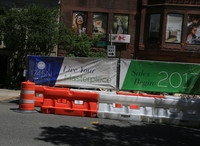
(160, 76)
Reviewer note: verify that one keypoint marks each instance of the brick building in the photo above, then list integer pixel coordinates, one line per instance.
(170, 30)
(159, 29)
(101, 16)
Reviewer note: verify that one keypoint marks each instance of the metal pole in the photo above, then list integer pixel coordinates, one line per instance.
(111, 43)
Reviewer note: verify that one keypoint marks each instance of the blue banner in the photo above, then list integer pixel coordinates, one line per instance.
(44, 70)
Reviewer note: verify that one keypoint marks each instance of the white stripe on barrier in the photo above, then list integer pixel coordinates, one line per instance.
(26, 101)
(125, 99)
(27, 92)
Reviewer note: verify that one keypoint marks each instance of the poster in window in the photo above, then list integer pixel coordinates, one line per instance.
(100, 24)
(154, 27)
(79, 24)
(120, 24)
(193, 30)
(174, 28)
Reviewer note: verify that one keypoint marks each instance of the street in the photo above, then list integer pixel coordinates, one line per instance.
(38, 129)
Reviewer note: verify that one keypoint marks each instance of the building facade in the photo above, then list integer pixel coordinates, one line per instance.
(170, 31)
(164, 30)
(104, 17)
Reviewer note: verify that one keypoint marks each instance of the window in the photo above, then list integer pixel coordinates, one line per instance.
(100, 23)
(174, 28)
(79, 24)
(154, 30)
(193, 30)
(120, 24)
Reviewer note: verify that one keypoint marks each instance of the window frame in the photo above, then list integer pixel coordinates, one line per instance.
(157, 29)
(172, 38)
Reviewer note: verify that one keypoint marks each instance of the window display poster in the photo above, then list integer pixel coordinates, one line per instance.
(174, 28)
(100, 22)
(193, 30)
(120, 24)
(79, 24)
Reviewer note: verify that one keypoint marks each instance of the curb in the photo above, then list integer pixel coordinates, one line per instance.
(6, 94)
(4, 98)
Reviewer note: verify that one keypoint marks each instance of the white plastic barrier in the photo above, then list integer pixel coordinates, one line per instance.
(170, 110)
(124, 107)
(177, 110)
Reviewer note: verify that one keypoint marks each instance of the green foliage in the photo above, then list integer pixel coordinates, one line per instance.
(98, 54)
(35, 31)
(78, 46)
(30, 31)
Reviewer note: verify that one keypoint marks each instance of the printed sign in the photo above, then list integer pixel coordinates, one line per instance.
(78, 72)
(111, 51)
(160, 76)
(120, 38)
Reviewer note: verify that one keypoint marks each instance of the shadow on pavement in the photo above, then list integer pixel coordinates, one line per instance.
(14, 101)
(109, 135)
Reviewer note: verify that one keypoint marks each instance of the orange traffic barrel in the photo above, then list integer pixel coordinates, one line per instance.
(27, 97)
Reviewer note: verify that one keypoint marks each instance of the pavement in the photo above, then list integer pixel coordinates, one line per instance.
(7, 94)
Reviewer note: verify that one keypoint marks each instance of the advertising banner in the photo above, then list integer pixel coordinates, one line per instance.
(159, 76)
(69, 71)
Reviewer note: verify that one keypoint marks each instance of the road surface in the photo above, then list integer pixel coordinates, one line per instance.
(38, 129)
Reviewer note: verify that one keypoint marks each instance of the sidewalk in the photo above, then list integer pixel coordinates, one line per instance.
(7, 94)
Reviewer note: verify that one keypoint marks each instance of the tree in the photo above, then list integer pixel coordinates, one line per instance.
(35, 30)
(28, 31)
(78, 46)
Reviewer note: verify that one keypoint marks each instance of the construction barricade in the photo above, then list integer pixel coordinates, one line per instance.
(39, 95)
(125, 107)
(27, 97)
(111, 105)
(178, 110)
(63, 101)
(168, 110)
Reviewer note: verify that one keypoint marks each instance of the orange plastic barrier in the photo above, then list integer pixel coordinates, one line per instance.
(73, 103)
(39, 94)
(144, 95)
(27, 95)
(117, 105)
